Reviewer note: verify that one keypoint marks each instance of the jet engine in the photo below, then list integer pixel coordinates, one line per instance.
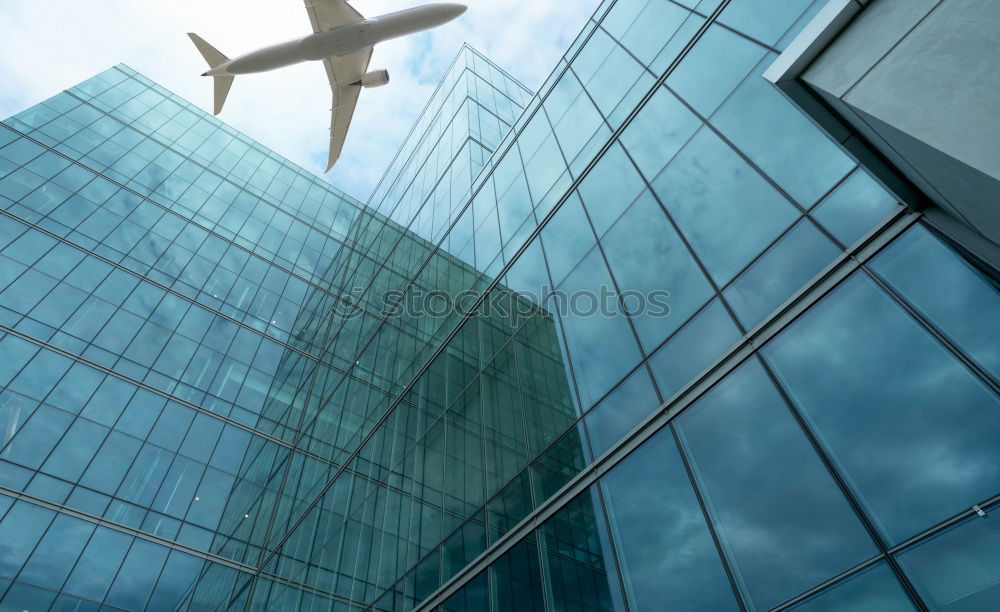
(375, 78)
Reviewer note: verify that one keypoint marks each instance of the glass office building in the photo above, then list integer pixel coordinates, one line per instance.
(228, 385)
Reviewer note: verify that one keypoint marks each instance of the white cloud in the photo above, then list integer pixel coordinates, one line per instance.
(48, 46)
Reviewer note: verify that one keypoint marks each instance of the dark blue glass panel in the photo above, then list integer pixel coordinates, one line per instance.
(179, 574)
(876, 589)
(56, 554)
(20, 531)
(138, 575)
(957, 298)
(669, 560)
(958, 569)
(698, 344)
(898, 413)
(517, 580)
(781, 517)
(621, 411)
(21, 597)
(473, 597)
(781, 271)
(97, 567)
(580, 569)
(855, 208)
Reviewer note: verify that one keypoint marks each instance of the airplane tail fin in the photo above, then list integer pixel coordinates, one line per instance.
(214, 58)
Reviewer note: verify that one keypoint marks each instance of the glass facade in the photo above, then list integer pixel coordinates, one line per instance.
(228, 385)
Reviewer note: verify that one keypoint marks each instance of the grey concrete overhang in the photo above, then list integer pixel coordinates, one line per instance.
(813, 40)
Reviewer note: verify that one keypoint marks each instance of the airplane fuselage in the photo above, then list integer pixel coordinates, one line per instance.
(340, 41)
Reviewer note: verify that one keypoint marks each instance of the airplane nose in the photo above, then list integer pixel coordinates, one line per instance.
(453, 9)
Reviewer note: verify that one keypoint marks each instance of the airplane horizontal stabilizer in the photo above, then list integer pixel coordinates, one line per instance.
(210, 53)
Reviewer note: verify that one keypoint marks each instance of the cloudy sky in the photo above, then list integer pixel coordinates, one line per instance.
(48, 45)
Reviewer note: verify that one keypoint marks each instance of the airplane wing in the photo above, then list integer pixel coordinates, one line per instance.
(328, 14)
(344, 72)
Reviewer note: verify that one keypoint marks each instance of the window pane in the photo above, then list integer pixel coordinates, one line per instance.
(780, 515)
(669, 560)
(25, 597)
(958, 569)
(20, 530)
(713, 68)
(876, 588)
(57, 552)
(695, 347)
(899, 414)
(517, 579)
(780, 139)
(610, 187)
(97, 567)
(580, 570)
(727, 211)
(601, 346)
(780, 272)
(855, 208)
(956, 297)
(566, 237)
(621, 411)
(660, 282)
(658, 132)
(765, 20)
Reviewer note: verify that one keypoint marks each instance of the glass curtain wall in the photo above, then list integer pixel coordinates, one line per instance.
(807, 419)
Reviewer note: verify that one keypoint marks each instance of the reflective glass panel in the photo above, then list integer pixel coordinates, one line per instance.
(958, 569)
(876, 589)
(781, 271)
(601, 345)
(957, 298)
(855, 207)
(669, 560)
(695, 347)
(900, 415)
(781, 517)
(621, 411)
(725, 209)
(660, 281)
(779, 138)
(713, 68)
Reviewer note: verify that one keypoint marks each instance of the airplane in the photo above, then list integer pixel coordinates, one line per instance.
(343, 40)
